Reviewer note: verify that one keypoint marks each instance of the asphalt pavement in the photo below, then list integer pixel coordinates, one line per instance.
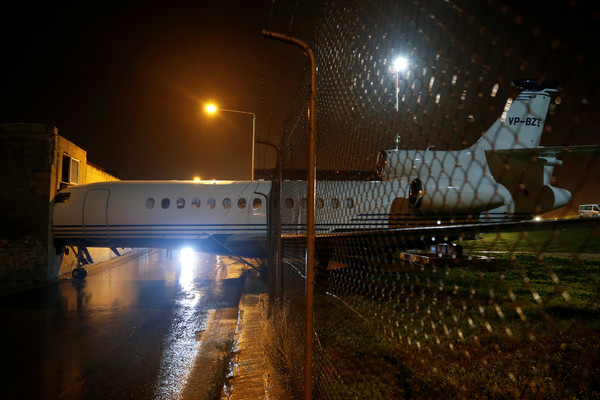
(142, 326)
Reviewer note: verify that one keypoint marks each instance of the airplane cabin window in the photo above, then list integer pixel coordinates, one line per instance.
(320, 203)
(165, 203)
(196, 202)
(257, 203)
(349, 203)
(289, 203)
(242, 203)
(150, 203)
(180, 203)
(226, 203)
(335, 203)
(303, 203)
(211, 202)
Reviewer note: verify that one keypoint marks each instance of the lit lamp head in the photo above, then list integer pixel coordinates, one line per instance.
(211, 108)
(400, 64)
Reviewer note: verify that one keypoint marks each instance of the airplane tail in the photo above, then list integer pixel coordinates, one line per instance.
(522, 123)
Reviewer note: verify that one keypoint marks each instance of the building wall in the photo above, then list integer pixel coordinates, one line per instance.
(26, 174)
(35, 162)
(94, 173)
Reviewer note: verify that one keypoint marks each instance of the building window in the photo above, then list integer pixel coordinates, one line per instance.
(70, 171)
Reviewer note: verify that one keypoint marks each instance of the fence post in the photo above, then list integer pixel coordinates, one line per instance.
(276, 275)
(310, 217)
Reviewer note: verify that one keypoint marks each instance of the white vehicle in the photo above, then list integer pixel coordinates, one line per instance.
(589, 210)
(226, 217)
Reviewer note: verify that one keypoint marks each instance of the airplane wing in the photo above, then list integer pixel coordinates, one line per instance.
(546, 155)
(391, 240)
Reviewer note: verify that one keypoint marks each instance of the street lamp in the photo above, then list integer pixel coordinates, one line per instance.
(211, 109)
(399, 64)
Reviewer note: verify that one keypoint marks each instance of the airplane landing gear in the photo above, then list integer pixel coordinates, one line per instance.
(83, 258)
(79, 273)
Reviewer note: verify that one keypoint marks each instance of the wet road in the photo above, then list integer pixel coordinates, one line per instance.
(133, 329)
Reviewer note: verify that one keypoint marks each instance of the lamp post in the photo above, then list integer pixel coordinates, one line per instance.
(211, 109)
(399, 64)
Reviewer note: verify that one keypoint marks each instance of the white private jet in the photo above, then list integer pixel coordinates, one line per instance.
(226, 217)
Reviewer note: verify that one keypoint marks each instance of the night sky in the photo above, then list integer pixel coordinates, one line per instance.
(127, 81)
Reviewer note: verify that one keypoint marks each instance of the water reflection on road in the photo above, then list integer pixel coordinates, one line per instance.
(129, 330)
(181, 346)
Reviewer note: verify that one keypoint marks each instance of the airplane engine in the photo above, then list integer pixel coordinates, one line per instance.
(451, 196)
(540, 199)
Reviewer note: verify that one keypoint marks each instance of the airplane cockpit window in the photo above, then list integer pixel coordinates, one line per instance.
(165, 203)
(349, 203)
(335, 203)
(256, 203)
(242, 203)
(211, 202)
(289, 203)
(320, 203)
(150, 203)
(196, 202)
(226, 203)
(180, 203)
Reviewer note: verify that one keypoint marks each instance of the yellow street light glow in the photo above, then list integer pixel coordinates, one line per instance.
(196, 179)
(211, 108)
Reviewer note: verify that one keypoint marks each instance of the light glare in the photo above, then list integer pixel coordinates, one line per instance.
(186, 257)
(211, 108)
(400, 64)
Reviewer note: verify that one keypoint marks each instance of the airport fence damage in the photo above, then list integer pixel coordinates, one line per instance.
(501, 302)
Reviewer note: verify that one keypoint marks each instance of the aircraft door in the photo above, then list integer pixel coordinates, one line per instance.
(95, 209)
(400, 213)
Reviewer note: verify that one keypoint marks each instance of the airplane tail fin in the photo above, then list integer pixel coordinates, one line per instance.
(522, 123)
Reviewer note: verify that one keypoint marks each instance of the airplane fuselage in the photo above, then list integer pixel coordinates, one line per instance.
(500, 177)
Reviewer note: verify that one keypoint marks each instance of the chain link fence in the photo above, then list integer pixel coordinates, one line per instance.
(463, 309)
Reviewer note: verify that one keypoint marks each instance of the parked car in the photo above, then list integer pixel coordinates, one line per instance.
(589, 210)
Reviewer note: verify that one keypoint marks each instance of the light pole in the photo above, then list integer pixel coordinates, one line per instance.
(211, 109)
(399, 64)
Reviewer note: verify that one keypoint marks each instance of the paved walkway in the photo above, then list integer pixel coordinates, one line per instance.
(252, 376)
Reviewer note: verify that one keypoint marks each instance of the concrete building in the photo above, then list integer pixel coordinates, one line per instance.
(36, 162)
